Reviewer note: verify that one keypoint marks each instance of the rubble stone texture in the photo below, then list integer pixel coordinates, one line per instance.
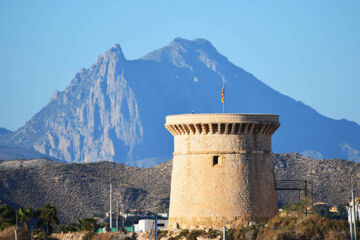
(223, 173)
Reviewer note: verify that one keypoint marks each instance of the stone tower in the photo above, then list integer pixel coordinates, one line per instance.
(223, 173)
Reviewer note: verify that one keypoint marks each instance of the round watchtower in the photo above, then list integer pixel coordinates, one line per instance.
(223, 173)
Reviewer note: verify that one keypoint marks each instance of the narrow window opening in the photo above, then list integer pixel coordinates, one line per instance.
(222, 128)
(215, 160)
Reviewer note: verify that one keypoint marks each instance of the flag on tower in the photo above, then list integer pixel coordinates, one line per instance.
(223, 95)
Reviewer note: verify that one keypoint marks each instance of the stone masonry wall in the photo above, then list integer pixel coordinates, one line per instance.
(222, 170)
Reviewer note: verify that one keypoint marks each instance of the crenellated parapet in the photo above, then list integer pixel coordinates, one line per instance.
(237, 124)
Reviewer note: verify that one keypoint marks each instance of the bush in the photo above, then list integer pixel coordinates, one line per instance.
(41, 236)
(7, 216)
(213, 233)
(88, 236)
(72, 227)
(248, 232)
(182, 234)
(88, 224)
(194, 234)
(162, 234)
(304, 227)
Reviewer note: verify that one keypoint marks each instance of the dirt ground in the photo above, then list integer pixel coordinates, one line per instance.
(100, 236)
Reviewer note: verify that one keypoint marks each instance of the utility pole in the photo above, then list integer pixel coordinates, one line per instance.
(351, 222)
(306, 202)
(122, 217)
(16, 213)
(156, 227)
(110, 205)
(117, 214)
(353, 213)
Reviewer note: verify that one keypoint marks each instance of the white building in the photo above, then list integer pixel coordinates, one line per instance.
(148, 224)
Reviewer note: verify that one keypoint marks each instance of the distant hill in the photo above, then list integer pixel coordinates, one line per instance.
(16, 152)
(80, 190)
(115, 110)
(26, 163)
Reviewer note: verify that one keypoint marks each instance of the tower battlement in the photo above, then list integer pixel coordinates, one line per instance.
(263, 124)
(223, 174)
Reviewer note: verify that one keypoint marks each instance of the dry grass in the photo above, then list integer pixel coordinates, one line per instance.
(304, 227)
(9, 233)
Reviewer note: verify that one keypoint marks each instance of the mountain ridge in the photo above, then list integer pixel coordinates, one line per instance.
(115, 109)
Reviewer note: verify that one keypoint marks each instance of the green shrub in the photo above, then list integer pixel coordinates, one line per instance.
(182, 234)
(7, 216)
(162, 234)
(88, 236)
(72, 227)
(213, 233)
(88, 224)
(194, 234)
(248, 232)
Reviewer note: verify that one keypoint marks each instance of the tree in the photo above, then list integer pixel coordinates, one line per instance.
(72, 227)
(47, 218)
(88, 224)
(322, 210)
(7, 216)
(342, 211)
(24, 215)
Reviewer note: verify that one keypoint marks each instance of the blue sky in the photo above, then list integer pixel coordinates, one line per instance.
(308, 50)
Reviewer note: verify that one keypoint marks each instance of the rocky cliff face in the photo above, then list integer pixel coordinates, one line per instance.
(116, 109)
(95, 118)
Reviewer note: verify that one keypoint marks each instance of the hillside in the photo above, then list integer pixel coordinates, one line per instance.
(80, 190)
(26, 163)
(17, 152)
(115, 109)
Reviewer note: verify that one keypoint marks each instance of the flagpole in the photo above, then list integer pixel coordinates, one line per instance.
(223, 97)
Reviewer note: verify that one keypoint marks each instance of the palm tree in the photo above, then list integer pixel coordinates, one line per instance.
(24, 215)
(47, 218)
(7, 216)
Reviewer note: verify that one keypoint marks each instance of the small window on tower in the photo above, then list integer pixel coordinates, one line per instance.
(215, 160)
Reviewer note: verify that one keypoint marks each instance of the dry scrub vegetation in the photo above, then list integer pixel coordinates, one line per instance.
(284, 226)
(290, 226)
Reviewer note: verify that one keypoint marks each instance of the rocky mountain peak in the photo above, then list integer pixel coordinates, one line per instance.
(187, 53)
(95, 118)
(114, 55)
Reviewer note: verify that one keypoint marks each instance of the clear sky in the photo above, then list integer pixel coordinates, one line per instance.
(306, 49)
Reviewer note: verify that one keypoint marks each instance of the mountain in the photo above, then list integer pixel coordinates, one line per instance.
(81, 190)
(115, 110)
(17, 152)
(4, 133)
(25, 163)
